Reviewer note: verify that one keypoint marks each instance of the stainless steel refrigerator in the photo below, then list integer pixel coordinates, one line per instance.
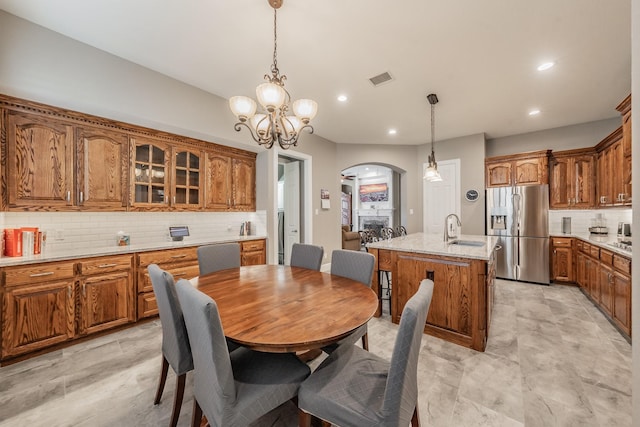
(520, 217)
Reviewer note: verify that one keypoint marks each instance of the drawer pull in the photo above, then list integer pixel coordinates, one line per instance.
(178, 256)
(46, 273)
(179, 274)
(107, 265)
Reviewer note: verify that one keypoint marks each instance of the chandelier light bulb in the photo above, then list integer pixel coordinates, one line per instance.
(271, 96)
(260, 123)
(243, 107)
(305, 109)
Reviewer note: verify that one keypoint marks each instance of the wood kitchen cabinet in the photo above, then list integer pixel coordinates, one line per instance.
(562, 267)
(459, 291)
(182, 263)
(625, 109)
(187, 176)
(38, 307)
(230, 183)
(611, 189)
(253, 252)
(572, 179)
(517, 169)
(605, 277)
(102, 162)
(106, 293)
(39, 164)
(150, 174)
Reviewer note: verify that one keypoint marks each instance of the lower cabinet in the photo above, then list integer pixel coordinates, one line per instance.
(605, 277)
(182, 263)
(562, 259)
(106, 294)
(37, 316)
(253, 252)
(50, 303)
(458, 310)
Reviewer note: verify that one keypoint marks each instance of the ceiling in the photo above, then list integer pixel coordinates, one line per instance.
(479, 57)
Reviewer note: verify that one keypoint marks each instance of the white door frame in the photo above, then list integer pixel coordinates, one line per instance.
(306, 201)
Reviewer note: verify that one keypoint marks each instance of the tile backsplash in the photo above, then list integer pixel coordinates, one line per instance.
(78, 230)
(581, 219)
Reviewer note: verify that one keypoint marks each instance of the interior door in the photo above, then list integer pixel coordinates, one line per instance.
(291, 207)
(441, 198)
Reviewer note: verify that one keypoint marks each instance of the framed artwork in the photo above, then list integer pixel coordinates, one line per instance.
(374, 193)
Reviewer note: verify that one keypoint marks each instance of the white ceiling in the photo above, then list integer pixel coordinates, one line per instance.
(478, 56)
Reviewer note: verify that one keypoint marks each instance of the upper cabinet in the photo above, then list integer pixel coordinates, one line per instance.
(102, 162)
(625, 109)
(186, 178)
(60, 160)
(518, 169)
(612, 189)
(572, 179)
(150, 174)
(230, 183)
(39, 166)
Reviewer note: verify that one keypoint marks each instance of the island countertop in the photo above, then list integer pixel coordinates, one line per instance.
(433, 244)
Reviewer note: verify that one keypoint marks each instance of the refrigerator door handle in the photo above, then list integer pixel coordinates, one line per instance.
(517, 259)
(517, 200)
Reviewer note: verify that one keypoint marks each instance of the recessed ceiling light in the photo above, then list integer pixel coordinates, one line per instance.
(342, 98)
(534, 112)
(392, 131)
(546, 66)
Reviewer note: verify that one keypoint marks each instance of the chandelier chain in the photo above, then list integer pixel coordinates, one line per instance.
(274, 66)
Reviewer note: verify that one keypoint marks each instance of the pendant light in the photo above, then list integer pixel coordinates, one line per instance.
(431, 172)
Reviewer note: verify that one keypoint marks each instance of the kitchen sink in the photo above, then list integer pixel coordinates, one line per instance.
(467, 243)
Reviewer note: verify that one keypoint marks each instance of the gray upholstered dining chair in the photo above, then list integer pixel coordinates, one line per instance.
(353, 387)
(233, 389)
(212, 258)
(356, 266)
(176, 351)
(306, 256)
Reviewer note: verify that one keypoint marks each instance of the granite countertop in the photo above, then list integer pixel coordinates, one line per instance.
(603, 241)
(63, 255)
(433, 244)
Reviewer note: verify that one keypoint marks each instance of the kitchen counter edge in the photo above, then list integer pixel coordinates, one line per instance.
(117, 250)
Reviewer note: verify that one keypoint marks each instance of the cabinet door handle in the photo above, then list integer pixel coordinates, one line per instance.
(84, 289)
(68, 196)
(107, 265)
(46, 273)
(69, 291)
(174, 200)
(81, 197)
(178, 256)
(179, 274)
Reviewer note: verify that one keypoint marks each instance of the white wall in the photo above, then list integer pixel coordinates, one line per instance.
(563, 138)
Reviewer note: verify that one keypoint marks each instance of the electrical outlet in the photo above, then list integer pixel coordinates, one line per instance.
(58, 235)
(229, 227)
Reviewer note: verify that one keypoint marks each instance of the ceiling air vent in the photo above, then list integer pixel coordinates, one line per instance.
(380, 79)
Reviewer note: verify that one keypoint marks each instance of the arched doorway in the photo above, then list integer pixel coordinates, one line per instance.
(371, 196)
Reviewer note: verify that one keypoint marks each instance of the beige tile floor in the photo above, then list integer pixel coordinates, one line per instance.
(552, 360)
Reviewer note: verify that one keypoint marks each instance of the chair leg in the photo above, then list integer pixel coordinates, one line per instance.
(415, 419)
(304, 419)
(365, 341)
(177, 401)
(196, 417)
(163, 379)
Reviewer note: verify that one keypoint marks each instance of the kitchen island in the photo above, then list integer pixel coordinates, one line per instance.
(463, 273)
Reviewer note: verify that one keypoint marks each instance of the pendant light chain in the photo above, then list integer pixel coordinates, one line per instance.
(274, 66)
(433, 131)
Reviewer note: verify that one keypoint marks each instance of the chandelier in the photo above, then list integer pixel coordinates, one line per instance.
(431, 172)
(273, 123)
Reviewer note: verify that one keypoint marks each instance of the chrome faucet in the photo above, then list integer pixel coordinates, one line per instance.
(446, 227)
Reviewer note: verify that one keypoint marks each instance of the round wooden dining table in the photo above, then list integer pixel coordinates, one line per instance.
(282, 309)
